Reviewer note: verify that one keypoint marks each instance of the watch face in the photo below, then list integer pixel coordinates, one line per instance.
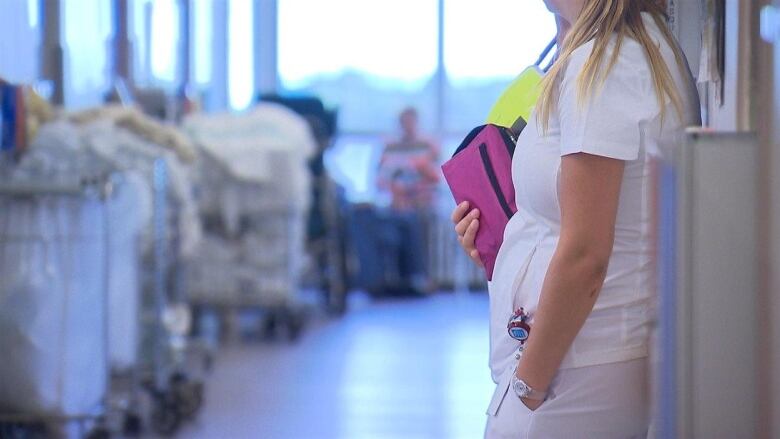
(521, 389)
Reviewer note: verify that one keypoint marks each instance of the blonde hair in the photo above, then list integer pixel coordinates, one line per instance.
(599, 21)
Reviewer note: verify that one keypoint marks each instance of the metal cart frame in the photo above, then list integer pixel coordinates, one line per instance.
(36, 425)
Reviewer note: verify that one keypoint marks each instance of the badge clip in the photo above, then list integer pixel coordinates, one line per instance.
(518, 326)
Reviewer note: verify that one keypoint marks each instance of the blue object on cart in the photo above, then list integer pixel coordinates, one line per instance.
(2, 117)
(8, 106)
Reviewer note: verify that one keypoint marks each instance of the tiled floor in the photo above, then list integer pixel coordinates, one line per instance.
(392, 369)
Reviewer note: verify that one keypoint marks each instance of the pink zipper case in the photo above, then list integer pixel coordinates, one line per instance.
(480, 172)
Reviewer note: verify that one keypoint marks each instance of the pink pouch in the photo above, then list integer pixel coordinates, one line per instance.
(480, 172)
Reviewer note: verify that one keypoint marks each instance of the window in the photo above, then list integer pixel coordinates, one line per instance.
(155, 27)
(139, 11)
(165, 35)
(202, 31)
(368, 58)
(20, 40)
(33, 13)
(487, 44)
(87, 28)
(241, 74)
(353, 161)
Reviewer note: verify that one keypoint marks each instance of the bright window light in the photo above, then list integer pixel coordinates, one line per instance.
(480, 61)
(202, 39)
(33, 13)
(165, 39)
(384, 39)
(517, 33)
(138, 28)
(87, 29)
(241, 71)
(352, 161)
(370, 58)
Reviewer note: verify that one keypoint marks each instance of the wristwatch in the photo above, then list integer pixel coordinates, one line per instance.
(523, 390)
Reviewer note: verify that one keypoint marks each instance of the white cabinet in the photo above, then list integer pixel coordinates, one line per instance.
(708, 267)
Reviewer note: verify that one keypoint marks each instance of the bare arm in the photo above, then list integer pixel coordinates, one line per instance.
(382, 180)
(428, 170)
(589, 194)
(427, 166)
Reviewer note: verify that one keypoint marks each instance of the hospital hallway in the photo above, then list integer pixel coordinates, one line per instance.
(388, 369)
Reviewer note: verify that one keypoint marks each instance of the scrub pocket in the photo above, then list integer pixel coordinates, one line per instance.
(508, 417)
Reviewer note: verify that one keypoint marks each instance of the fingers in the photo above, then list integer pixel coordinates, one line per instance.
(474, 255)
(466, 226)
(459, 211)
(467, 242)
(469, 235)
(466, 221)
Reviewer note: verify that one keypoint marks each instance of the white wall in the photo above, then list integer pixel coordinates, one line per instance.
(686, 16)
(730, 113)
(774, 270)
(744, 109)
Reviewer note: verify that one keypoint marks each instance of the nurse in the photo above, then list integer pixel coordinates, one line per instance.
(577, 256)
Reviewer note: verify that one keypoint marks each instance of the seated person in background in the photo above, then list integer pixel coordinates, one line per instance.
(409, 170)
(409, 167)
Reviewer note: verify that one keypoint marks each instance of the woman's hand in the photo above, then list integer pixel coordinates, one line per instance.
(466, 226)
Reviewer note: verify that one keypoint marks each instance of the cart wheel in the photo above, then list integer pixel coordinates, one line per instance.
(208, 362)
(11, 431)
(269, 325)
(295, 325)
(21, 431)
(132, 425)
(189, 398)
(338, 307)
(165, 418)
(99, 432)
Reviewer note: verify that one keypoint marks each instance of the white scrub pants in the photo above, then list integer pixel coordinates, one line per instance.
(607, 401)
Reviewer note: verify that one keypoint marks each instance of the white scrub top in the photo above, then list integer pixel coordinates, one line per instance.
(621, 120)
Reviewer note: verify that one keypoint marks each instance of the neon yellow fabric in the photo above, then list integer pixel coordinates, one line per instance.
(518, 100)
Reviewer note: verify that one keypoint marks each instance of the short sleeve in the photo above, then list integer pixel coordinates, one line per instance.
(608, 121)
